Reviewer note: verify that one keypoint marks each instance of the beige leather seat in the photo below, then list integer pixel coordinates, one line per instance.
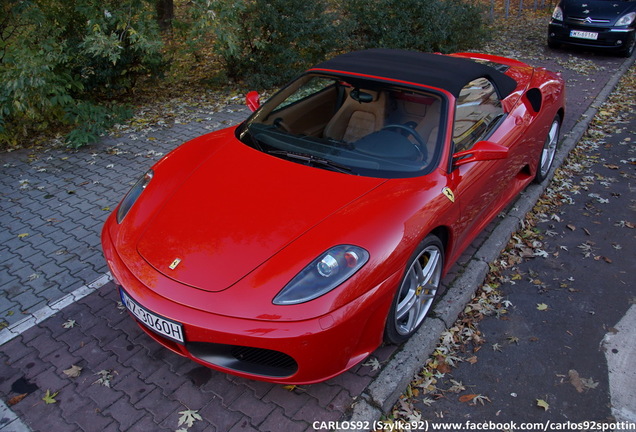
(355, 120)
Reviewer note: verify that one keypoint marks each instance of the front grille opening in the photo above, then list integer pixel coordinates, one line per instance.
(257, 361)
(589, 20)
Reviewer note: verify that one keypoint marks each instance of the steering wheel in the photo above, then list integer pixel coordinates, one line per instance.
(420, 146)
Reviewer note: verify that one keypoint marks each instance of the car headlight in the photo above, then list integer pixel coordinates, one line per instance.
(133, 194)
(626, 20)
(557, 14)
(323, 274)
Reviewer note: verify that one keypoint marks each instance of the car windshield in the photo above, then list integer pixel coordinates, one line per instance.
(355, 126)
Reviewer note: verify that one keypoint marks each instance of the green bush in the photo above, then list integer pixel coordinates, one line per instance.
(63, 62)
(423, 25)
(60, 57)
(89, 121)
(266, 42)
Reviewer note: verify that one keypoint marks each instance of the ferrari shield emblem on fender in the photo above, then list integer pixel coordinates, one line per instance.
(449, 194)
(174, 264)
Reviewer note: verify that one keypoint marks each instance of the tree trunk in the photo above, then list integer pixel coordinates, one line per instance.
(165, 14)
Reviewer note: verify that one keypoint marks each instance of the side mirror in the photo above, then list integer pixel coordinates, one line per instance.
(253, 100)
(481, 151)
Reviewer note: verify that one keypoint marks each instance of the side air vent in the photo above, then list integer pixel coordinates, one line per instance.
(535, 99)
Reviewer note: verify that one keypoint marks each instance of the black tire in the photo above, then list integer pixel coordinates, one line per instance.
(628, 50)
(417, 291)
(548, 152)
(552, 44)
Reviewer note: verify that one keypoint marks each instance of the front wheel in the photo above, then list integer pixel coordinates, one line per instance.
(628, 50)
(549, 151)
(552, 44)
(417, 291)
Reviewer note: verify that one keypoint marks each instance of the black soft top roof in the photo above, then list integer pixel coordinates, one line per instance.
(435, 70)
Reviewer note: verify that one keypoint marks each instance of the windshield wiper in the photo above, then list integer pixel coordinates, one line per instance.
(254, 142)
(326, 163)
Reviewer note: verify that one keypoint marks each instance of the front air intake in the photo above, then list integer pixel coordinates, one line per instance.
(257, 361)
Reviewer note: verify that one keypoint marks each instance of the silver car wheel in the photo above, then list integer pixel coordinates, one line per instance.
(549, 150)
(418, 290)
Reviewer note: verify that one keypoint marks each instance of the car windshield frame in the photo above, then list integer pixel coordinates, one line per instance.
(353, 125)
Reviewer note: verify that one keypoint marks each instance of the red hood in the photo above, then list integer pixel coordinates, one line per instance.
(236, 210)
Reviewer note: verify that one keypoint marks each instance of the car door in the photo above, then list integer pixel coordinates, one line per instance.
(477, 187)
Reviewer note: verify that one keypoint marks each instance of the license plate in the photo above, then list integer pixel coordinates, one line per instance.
(583, 34)
(165, 327)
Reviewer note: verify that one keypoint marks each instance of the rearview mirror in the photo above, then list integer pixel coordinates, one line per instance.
(481, 151)
(253, 100)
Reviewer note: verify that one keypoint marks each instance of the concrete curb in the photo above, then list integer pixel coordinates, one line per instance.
(386, 389)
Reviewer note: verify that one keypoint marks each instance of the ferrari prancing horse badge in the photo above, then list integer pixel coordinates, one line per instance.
(449, 194)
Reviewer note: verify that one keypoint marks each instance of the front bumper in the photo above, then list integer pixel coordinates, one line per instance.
(286, 352)
(606, 37)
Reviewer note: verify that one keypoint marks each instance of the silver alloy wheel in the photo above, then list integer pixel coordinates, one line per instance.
(549, 149)
(418, 290)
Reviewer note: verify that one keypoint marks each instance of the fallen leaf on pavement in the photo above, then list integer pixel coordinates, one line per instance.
(407, 409)
(188, 417)
(589, 383)
(581, 384)
(543, 404)
(575, 380)
(542, 306)
(69, 324)
(444, 368)
(15, 399)
(105, 377)
(374, 363)
(456, 387)
(481, 399)
(467, 398)
(73, 372)
(49, 398)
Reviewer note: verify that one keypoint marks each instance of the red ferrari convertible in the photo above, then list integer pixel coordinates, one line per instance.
(289, 247)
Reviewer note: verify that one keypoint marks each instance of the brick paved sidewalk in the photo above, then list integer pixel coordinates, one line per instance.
(150, 385)
(54, 203)
(61, 198)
